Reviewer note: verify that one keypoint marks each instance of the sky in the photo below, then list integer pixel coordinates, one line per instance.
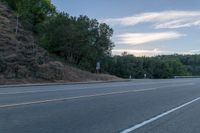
(144, 27)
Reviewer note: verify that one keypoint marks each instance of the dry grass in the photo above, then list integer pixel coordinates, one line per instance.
(22, 60)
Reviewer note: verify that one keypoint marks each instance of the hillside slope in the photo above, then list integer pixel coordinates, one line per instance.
(22, 60)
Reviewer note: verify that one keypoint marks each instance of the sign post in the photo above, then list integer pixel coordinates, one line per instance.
(145, 76)
(98, 67)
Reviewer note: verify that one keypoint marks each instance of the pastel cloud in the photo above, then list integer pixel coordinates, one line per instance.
(152, 52)
(141, 38)
(141, 52)
(164, 19)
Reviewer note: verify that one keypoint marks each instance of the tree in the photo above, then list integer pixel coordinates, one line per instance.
(32, 12)
(81, 41)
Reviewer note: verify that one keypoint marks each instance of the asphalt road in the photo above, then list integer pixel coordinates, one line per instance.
(138, 106)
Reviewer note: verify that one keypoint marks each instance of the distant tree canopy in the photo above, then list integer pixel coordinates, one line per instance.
(191, 62)
(153, 67)
(79, 40)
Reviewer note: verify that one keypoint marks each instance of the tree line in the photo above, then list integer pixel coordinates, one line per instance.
(153, 67)
(82, 41)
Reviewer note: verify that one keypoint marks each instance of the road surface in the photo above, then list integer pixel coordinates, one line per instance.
(138, 106)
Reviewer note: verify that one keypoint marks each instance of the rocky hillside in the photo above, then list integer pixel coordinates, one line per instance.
(22, 60)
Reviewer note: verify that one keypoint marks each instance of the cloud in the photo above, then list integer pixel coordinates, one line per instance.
(139, 52)
(153, 52)
(191, 52)
(141, 38)
(165, 19)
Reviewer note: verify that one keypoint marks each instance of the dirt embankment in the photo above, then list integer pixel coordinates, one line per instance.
(22, 60)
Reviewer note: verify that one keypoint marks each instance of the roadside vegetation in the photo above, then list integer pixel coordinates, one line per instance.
(82, 41)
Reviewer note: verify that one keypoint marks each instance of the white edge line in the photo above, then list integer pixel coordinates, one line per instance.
(158, 117)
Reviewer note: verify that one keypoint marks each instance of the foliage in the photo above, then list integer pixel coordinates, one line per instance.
(191, 62)
(81, 41)
(153, 67)
(32, 12)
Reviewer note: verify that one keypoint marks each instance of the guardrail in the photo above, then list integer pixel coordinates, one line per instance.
(177, 77)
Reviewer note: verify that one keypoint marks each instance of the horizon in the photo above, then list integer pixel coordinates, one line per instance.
(145, 28)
